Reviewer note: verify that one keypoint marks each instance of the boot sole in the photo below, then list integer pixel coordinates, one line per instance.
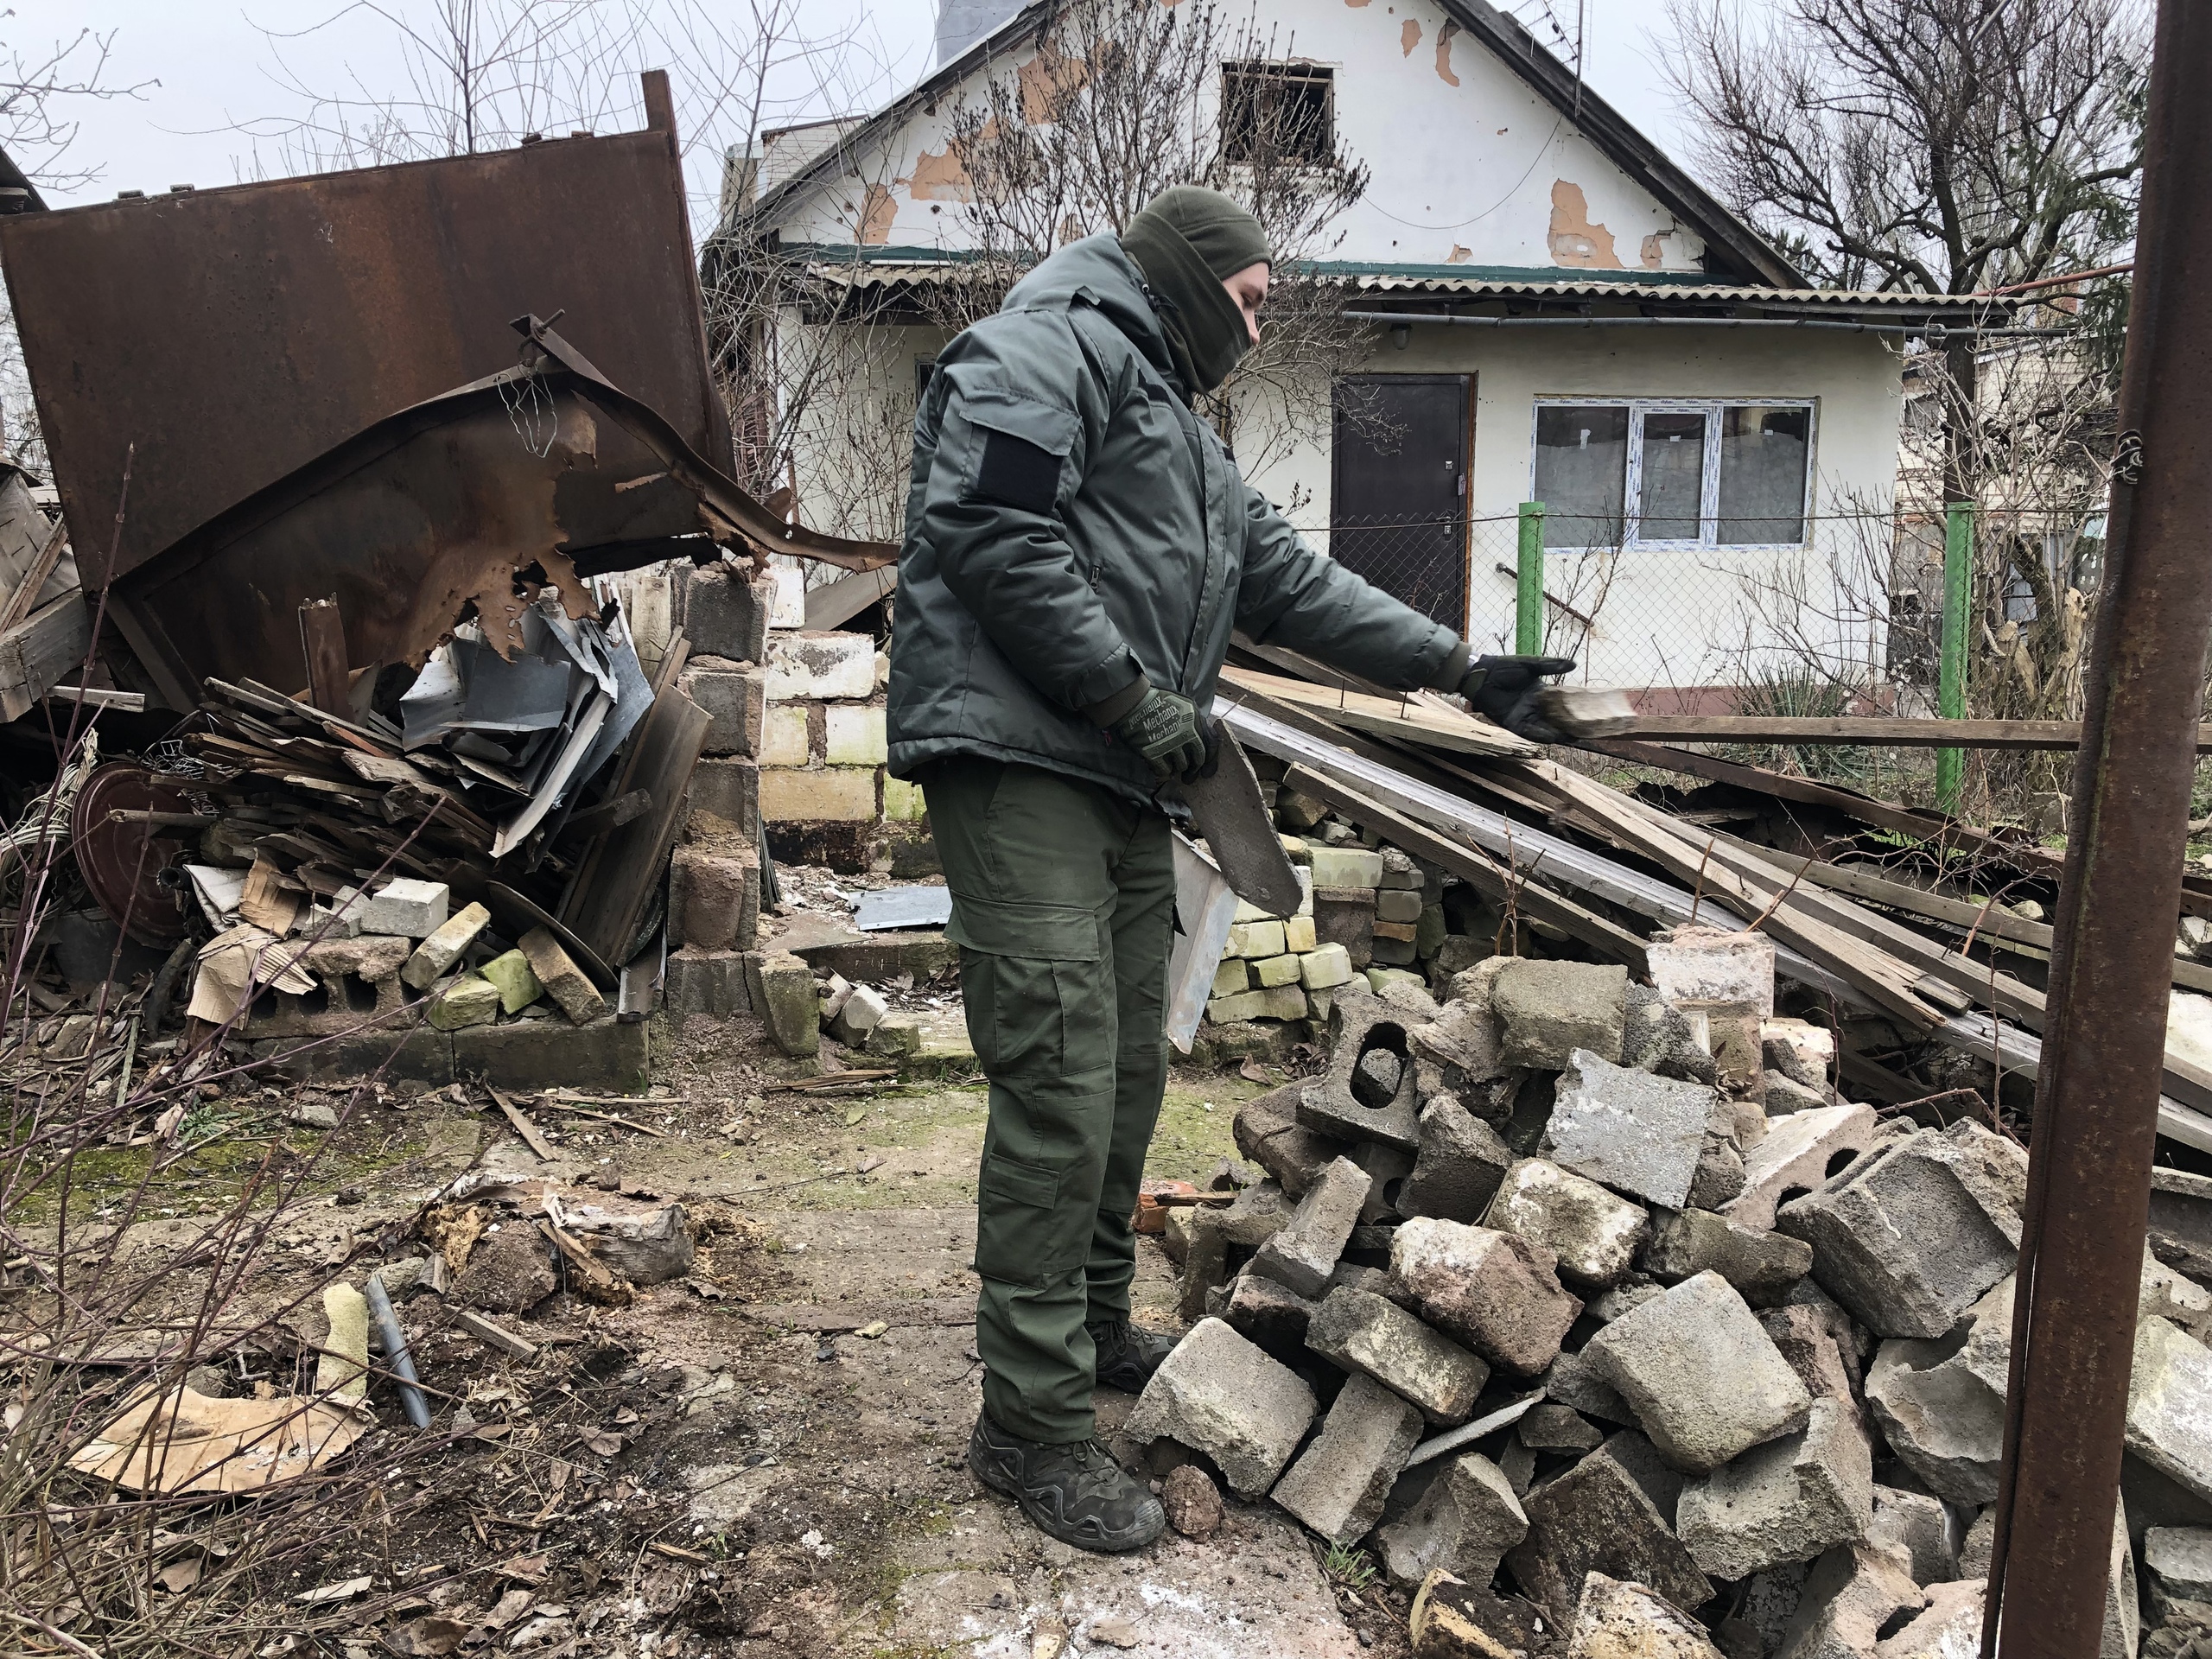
(1006, 1486)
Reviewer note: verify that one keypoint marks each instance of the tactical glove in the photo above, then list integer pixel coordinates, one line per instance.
(1175, 740)
(1505, 690)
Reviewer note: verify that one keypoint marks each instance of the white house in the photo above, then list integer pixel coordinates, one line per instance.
(1559, 313)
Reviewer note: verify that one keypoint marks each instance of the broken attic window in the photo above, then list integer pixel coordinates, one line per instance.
(1278, 112)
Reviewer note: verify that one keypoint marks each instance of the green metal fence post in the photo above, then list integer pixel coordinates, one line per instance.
(1958, 607)
(1529, 583)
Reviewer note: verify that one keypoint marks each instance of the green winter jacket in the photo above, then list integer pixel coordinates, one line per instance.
(1070, 524)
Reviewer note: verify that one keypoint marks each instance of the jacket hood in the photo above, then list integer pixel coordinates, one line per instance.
(1097, 272)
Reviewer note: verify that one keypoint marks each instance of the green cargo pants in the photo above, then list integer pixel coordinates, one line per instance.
(1064, 906)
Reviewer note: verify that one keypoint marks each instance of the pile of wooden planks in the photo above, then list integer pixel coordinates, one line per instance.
(1903, 970)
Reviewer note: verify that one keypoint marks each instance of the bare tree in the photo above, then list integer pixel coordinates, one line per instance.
(1948, 146)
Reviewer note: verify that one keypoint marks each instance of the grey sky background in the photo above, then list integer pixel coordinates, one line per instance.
(212, 69)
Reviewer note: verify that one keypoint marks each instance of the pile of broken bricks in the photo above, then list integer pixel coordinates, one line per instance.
(1584, 1305)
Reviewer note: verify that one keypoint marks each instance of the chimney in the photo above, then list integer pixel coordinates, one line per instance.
(961, 23)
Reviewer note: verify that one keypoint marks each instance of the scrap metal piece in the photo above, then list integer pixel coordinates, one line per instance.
(1240, 833)
(897, 907)
(123, 861)
(1205, 909)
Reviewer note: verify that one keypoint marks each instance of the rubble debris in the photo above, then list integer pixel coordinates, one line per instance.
(1496, 1293)
(1762, 1266)
(1463, 1525)
(1914, 1232)
(1611, 1513)
(1630, 1129)
(1370, 1335)
(1705, 1381)
(1339, 1483)
(1941, 1404)
(1790, 1499)
(1594, 1235)
(1222, 1396)
(1460, 1163)
(1303, 1253)
(1550, 1009)
(1627, 1621)
(1455, 1618)
(182, 1441)
(1853, 1593)
(1191, 1500)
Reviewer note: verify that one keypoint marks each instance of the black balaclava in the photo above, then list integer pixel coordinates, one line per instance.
(1187, 241)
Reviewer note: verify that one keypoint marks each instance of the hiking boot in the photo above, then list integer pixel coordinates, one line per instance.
(1128, 1354)
(1075, 1493)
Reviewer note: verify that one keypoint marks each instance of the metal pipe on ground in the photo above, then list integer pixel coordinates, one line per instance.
(2090, 1169)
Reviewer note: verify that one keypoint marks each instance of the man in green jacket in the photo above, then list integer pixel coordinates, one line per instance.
(1079, 547)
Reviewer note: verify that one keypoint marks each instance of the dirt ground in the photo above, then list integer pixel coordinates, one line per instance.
(767, 1458)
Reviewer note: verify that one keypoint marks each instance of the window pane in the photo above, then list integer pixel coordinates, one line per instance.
(1674, 477)
(1582, 472)
(1763, 456)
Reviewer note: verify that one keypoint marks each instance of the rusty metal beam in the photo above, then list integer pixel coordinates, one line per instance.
(2097, 1100)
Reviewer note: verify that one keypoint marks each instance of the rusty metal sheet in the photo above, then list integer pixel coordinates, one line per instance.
(483, 498)
(124, 864)
(233, 335)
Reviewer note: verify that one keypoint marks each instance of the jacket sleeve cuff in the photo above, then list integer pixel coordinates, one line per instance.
(1106, 710)
(1453, 670)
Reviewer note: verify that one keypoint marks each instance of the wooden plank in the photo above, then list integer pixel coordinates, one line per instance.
(1878, 731)
(323, 642)
(93, 696)
(18, 604)
(1474, 867)
(1417, 715)
(37, 654)
(522, 1125)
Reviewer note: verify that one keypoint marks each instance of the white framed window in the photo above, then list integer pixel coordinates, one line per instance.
(1662, 473)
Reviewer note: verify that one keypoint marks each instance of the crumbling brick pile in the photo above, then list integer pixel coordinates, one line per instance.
(1594, 1313)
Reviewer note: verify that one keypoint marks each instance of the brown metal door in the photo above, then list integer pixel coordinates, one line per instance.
(1398, 499)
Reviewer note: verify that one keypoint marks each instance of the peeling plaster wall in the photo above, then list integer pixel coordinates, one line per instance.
(1470, 166)
(1668, 616)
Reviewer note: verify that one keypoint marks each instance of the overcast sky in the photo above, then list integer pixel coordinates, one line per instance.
(208, 70)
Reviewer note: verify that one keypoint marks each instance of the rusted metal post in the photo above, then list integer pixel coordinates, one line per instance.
(2088, 1180)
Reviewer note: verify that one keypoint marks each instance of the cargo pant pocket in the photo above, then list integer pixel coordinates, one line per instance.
(1027, 1231)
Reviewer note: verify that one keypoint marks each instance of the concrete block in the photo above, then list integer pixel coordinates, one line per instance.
(1398, 904)
(706, 982)
(714, 901)
(1658, 1036)
(1594, 1234)
(1458, 1166)
(2169, 1404)
(1850, 1594)
(1615, 1620)
(566, 983)
(1555, 1427)
(1912, 1235)
(1925, 1528)
(822, 794)
(436, 955)
(734, 696)
(1611, 1513)
(723, 611)
(1337, 1487)
(1272, 972)
(863, 1011)
(1801, 1151)
(1463, 1525)
(1366, 1333)
(372, 958)
(1350, 1104)
(1941, 1404)
(1234, 974)
(1283, 1002)
(1709, 967)
(781, 988)
(1271, 1314)
(467, 1001)
(853, 736)
(1549, 1009)
(1498, 1294)
(1463, 1043)
(1346, 916)
(783, 738)
(1387, 1169)
(606, 1057)
(1266, 1132)
(406, 908)
(1346, 867)
(1762, 1266)
(1803, 1337)
(819, 666)
(1705, 1382)
(903, 802)
(517, 985)
(1303, 1253)
(1238, 1006)
(1298, 935)
(1949, 1626)
(1790, 1499)
(1324, 967)
(1630, 1130)
(727, 787)
(1220, 1396)
(1253, 939)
